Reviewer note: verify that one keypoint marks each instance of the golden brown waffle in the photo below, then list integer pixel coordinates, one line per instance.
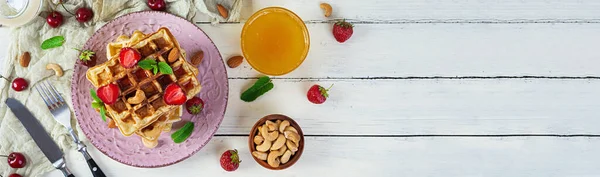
(150, 133)
(131, 118)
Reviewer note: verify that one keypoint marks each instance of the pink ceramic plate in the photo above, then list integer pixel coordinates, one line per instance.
(212, 76)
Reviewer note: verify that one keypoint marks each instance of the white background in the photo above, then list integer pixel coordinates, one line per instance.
(423, 88)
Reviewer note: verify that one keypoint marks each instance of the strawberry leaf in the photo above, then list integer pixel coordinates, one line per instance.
(262, 86)
(164, 68)
(183, 133)
(53, 42)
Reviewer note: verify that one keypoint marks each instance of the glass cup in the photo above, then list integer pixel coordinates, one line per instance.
(19, 12)
(275, 41)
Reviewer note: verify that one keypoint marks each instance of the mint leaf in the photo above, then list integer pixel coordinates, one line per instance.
(53, 42)
(155, 69)
(164, 68)
(262, 86)
(183, 133)
(103, 113)
(94, 96)
(97, 105)
(147, 64)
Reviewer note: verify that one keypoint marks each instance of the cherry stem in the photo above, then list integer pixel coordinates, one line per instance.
(63, 5)
(3, 156)
(4, 78)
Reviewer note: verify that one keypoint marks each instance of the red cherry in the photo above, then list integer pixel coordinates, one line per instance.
(15, 175)
(54, 19)
(108, 93)
(84, 14)
(129, 57)
(19, 84)
(159, 5)
(15, 160)
(174, 95)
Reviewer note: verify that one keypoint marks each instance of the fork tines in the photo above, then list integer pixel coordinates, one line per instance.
(49, 94)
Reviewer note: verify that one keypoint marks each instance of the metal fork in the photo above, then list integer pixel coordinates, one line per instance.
(61, 113)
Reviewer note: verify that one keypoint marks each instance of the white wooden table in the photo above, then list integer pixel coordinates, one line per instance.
(423, 88)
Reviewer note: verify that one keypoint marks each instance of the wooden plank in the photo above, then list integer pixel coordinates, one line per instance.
(406, 106)
(476, 11)
(405, 50)
(449, 156)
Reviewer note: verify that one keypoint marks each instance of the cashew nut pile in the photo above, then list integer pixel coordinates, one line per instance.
(276, 142)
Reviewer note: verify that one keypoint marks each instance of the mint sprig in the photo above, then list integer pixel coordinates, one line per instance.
(183, 133)
(262, 86)
(98, 104)
(151, 64)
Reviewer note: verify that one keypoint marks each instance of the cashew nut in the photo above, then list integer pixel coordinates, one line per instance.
(258, 139)
(282, 149)
(283, 125)
(271, 125)
(149, 143)
(286, 156)
(264, 147)
(260, 155)
(290, 128)
(57, 69)
(138, 98)
(278, 143)
(327, 8)
(273, 159)
(292, 136)
(291, 146)
(269, 136)
(259, 130)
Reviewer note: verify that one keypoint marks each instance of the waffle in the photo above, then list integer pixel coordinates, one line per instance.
(150, 133)
(133, 118)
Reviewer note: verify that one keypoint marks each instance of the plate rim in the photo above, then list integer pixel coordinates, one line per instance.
(212, 134)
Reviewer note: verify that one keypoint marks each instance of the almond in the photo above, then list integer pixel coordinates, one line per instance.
(111, 123)
(222, 11)
(24, 60)
(235, 61)
(197, 58)
(173, 55)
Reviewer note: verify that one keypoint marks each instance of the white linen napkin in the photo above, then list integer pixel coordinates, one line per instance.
(13, 136)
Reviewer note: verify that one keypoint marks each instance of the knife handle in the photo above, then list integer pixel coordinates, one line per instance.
(96, 171)
(71, 175)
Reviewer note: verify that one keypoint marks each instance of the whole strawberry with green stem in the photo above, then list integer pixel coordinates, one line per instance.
(194, 105)
(230, 161)
(87, 57)
(317, 94)
(342, 31)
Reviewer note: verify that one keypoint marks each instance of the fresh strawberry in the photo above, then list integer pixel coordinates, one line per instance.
(194, 105)
(108, 93)
(87, 57)
(342, 31)
(129, 57)
(317, 94)
(174, 95)
(230, 161)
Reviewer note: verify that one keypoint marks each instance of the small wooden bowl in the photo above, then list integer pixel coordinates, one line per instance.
(274, 117)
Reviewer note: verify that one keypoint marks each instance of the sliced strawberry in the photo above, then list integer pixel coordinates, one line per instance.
(129, 57)
(174, 95)
(108, 93)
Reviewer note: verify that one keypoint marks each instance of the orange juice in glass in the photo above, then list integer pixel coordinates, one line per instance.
(275, 41)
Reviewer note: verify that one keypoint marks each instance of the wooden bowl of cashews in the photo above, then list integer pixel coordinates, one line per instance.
(276, 142)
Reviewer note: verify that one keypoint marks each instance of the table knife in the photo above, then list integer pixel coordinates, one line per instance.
(40, 136)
